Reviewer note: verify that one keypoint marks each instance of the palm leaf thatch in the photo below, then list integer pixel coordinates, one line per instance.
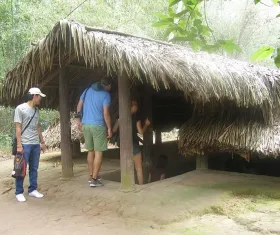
(52, 135)
(209, 135)
(202, 77)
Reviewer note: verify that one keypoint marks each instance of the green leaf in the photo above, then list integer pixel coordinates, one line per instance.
(173, 2)
(161, 16)
(194, 45)
(197, 22)
(211, 48)
(275, 2)
(229, 46)
(278, 15)
(257, 1)
(262, 53)
(181, 13)
(163, 23)
(277, 58)
(171, 12)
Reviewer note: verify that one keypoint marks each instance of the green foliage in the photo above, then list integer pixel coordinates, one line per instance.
(262, 53)
(186, 26)
(267, 51)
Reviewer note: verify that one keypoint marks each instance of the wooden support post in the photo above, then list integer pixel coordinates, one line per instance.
(127, 165)
(202, 162)
(158, 136)
(65, 125)
(148, 135)
(76, 148)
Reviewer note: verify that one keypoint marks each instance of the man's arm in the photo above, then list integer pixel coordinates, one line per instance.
(43, 146)
(116, 126)
(18, 122)
(107, 119)
(78, 117)
(80, 106)
(18, 136)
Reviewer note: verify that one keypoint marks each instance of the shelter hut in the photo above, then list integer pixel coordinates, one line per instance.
(174, 83)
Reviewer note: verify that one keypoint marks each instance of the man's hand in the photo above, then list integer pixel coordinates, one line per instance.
(79, 124)
(109, 135)
(43, 147)
(20, 149)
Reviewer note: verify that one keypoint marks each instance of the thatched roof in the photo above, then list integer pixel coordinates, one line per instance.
(212, 135)
(92, 53)
(52, 135)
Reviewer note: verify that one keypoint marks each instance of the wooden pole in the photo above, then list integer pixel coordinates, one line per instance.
(127, 165)
(65, 125)
(202, 162)
(148, 135)
(76, 148)
(158, 136)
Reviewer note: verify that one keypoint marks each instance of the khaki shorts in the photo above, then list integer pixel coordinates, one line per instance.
(95, 137)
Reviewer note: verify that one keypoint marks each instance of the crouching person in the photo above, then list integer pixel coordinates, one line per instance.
(29, 141)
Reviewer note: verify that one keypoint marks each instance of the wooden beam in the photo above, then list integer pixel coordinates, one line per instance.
(127, 165)
(55, 72)
(65, 125)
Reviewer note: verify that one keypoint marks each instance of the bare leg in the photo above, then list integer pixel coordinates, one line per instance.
(90, 159)
(97, 164)
(138, 166)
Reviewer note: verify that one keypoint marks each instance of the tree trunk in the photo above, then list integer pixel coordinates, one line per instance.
(65, 125)
(127, 164)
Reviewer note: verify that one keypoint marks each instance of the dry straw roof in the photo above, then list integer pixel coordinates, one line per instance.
(208, 135)
(202, 77)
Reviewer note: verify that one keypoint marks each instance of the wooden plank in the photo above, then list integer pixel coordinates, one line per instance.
(65, 125)
(127, 165)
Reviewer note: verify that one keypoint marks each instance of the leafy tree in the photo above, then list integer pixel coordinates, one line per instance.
(268, 51)
(188, 24)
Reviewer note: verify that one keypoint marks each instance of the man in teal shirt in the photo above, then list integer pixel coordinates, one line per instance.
(95, 117)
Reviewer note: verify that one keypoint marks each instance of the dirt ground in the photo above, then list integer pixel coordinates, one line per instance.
(196, 203)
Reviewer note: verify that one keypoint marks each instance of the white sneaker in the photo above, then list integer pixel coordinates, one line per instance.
(36, 194)
(20, 198)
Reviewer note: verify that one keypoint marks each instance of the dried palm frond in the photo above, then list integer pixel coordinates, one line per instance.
(201, 76)
(208, 134)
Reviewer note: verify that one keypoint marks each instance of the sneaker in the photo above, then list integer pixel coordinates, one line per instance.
(98, 178)
(95, 183)
(20, 197)
(36, 194)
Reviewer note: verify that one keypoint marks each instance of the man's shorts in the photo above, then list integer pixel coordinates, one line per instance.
(95, 138)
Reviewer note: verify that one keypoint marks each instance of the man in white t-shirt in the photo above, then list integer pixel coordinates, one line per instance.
(30, 142)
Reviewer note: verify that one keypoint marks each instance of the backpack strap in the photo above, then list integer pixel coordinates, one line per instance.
(29, 121)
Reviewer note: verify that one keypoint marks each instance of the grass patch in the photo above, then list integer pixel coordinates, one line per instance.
(216, 210)
(256, 192)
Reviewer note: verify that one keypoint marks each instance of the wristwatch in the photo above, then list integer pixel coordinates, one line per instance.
(78, 115)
